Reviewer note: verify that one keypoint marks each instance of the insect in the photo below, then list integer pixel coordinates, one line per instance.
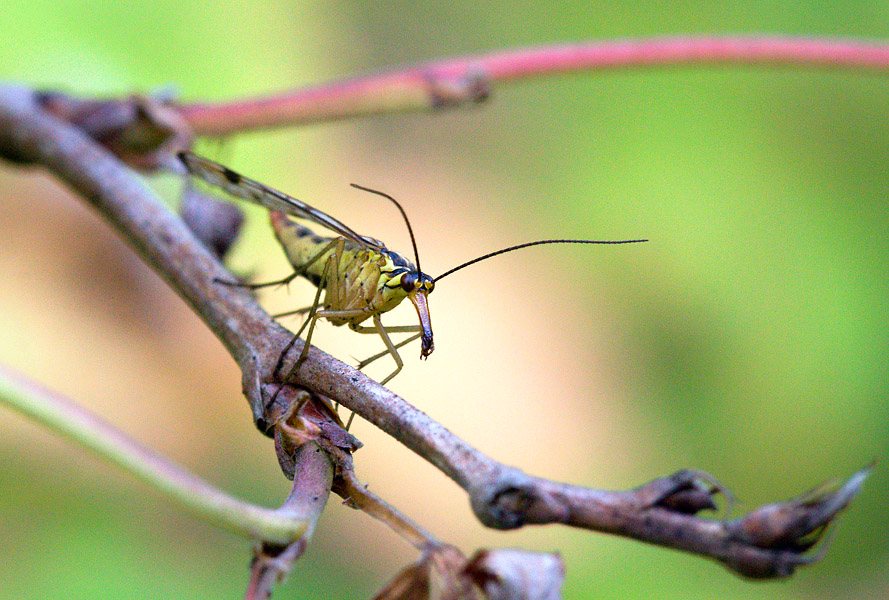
(361, 279)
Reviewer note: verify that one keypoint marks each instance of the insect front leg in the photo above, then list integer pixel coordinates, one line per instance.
(383, 353)
(391, 348)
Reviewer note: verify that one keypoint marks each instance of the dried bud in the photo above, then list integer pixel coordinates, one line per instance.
(510, 574)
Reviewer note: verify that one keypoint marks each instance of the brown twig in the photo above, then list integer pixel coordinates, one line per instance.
(356, 495)
(662, 512)
(456, 82)
(308, 496)
(310, 418)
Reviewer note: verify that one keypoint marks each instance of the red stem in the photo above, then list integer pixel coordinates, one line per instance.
(468, 79)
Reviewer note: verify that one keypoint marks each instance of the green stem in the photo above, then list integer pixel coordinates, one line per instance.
(192, 493)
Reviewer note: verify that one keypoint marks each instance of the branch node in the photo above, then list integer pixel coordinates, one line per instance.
(142, 131)
(687, 491)
(513, 500)
(470, 87)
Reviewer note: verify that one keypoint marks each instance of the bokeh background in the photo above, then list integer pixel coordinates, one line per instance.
(749, 338)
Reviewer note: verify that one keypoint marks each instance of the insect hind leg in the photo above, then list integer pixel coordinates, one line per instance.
(256, 286)
(336, 243)
(313, 316)
(290, 313)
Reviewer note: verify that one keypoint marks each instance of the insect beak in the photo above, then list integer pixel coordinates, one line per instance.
(419, 300)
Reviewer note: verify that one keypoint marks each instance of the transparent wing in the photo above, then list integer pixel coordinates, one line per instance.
(242, 187)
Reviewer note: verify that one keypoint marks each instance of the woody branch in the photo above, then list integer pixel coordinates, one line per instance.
(769, 542)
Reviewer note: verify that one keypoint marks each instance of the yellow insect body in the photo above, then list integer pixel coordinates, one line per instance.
(359, 278)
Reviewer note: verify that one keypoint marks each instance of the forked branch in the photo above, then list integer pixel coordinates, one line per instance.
(770, 542)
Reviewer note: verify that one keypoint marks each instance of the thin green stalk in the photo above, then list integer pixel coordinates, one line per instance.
(192, 493)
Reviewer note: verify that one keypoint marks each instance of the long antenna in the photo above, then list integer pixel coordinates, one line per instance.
(403, 214)
(528, 245)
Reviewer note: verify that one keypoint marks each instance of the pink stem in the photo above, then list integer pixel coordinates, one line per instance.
(468, 79)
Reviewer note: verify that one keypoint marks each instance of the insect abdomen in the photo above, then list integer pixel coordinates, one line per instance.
(301, 245)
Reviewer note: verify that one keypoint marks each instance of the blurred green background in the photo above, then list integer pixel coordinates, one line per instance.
(749, 338)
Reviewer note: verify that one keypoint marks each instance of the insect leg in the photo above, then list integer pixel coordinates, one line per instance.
(329, 276)
(297, 271)
(400, 344)
(290, 313)
(390, 346)
(256, 286)
(313, 316)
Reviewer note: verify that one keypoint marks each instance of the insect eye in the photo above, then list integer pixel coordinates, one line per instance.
(409, 282)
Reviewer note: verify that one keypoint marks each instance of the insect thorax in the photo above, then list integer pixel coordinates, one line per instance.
(368, 280)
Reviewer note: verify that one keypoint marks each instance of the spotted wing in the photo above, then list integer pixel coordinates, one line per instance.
(242, 187)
